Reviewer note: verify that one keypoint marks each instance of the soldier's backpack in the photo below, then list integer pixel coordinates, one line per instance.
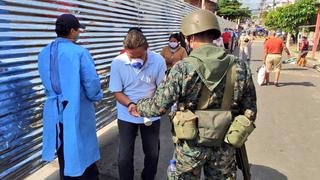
(207, 126)
(214, 123)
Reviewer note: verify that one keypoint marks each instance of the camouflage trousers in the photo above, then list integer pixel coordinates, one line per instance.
(219, 163)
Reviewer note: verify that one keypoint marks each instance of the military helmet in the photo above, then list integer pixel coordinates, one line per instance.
(199, 21)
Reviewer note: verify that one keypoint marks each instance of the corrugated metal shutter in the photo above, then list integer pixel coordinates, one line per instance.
(26, 26)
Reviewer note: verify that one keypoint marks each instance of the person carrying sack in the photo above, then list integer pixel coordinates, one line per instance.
(199, 86)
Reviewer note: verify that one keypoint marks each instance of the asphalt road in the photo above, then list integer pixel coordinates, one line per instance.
(285, 144)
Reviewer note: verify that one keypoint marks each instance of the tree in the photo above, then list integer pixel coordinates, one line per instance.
(231, 9)
(290, 17)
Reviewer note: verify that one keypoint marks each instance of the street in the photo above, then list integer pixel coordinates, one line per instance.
(285, 143)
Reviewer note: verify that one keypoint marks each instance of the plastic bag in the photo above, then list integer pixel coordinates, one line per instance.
(261, 75)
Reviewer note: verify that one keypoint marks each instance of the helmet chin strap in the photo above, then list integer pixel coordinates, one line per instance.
(191, 40)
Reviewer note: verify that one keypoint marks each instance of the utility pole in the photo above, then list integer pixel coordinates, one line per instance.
(273, 4)
(262, 7)
(316, 37)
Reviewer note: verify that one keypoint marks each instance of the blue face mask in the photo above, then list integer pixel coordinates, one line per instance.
(78, 37)
(136, 63)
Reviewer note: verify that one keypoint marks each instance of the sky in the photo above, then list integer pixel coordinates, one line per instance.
(254, 4)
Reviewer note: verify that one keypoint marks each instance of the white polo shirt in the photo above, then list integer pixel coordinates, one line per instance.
(134, 83)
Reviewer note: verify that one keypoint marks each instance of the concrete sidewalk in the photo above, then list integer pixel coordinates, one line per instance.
(108, 165)
(51, 170)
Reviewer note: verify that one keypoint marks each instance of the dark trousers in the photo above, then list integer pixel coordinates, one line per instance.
(226, 45)
(150, 143)
(91, 173)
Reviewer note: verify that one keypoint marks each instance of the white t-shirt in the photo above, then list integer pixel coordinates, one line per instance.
(245, 41)
(136, 84)
(218, 42)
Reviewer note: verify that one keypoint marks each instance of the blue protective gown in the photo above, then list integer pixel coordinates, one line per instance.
(68, 74)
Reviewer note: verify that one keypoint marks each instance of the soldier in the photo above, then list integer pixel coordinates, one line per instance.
(205, 67)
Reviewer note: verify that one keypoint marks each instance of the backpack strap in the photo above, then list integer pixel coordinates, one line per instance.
(229, 88)
(228, 91)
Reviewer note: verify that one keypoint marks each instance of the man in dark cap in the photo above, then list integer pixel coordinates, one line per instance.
(71, 83)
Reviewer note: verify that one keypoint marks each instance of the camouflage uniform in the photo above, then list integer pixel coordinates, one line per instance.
(184, 85)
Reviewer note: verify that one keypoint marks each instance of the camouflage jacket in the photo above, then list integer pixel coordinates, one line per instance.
(184, 85)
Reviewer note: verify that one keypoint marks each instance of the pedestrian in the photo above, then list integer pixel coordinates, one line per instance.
(218, 42)
(245, 43)
(173, 52)
(273, 48)
(303, 48)
(198, 82)
(182, 41)
(234, 39)
(130, 29)
(71, 83)
(226, 36)
(135, 74)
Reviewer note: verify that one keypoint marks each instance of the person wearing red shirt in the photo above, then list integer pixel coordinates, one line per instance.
(226, 36)
(272, 56)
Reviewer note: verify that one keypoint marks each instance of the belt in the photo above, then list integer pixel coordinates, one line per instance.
(191, 143)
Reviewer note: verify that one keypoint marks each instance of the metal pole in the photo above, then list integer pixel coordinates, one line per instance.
(316, 37)
(273, 4)
(203, 4)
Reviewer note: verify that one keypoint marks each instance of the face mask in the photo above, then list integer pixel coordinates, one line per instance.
(136, 63)
(173, 45)
(78, 37)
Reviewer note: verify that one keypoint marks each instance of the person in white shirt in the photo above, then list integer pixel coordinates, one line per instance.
(245, 45)
(135, 74)
(218, 42)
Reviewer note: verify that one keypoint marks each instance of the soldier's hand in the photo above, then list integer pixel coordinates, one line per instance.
(133, 110)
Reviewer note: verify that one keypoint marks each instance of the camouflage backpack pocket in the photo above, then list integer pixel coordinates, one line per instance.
(239, 131)
(185, 125)
(212, 126)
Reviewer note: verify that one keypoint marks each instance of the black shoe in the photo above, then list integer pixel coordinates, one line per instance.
(276, 84)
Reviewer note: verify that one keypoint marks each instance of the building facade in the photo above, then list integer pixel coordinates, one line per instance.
(210, 5)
